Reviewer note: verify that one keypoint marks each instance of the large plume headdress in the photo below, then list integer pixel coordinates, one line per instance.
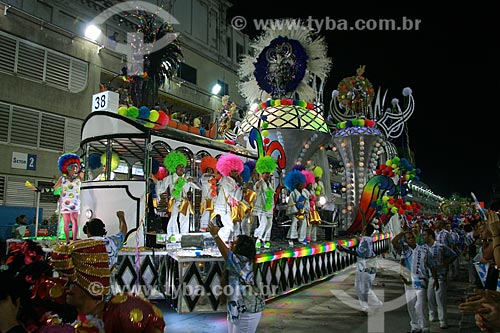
(288, 60)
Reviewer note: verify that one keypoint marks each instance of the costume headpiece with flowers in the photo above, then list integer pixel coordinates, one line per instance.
(67, 160)
(229, 162)
(208, 162)
(173, 160)
(86, 263)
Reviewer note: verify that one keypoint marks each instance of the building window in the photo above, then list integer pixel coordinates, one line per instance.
(240, 51)
(225, 88)
(187, 73)
(229, 47)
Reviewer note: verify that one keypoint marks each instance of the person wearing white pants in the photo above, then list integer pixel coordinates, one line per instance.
(264, 203)
(177, 185)
(417, 269)
(230, 166)
(441, 257)
(365, 270)
(297, 207)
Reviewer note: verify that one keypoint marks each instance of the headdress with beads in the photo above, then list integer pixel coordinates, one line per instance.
(229, 162)
(266, 164)
(66, 160)
(173, 160)
(208, 162)
(86, 263)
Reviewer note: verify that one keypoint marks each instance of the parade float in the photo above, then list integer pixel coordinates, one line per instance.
(132, 140)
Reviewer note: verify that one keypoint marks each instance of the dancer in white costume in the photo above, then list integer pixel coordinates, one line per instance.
(177, 185)
(229, 166)
(208, 190)
(264, 204)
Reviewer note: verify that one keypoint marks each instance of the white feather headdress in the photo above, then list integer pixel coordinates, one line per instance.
(292, 59)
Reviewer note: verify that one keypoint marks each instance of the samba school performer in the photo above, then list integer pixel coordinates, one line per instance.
(264, 205)
(208, 190)
(177, 186)
(69, 201)
(313, 220)
(297, 207)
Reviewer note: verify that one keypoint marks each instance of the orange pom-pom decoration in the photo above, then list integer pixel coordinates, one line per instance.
(213, 194)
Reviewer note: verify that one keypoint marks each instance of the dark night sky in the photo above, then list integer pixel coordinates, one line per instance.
(448, 63)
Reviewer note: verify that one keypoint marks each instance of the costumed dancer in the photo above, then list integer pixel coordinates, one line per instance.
(85, 263)
(250, 220)
(248, 197)
(208, 190)
(296, 207)
(177, 186)
(115, 162)
(229, 166)
(69, 201)
(264, 204)
(313, 219)
(318, 187)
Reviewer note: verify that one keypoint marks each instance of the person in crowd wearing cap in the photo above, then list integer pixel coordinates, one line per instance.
(264, 204)
(313, 218)
(297, 206)
(208, 190)
(85, 263)
(177, 186)
(96, 229)
(69, 201)
(365, 270)
(229, 166)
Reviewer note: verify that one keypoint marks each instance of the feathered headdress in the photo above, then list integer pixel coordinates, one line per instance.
(66, 160)
(266, 164)
(287, 62)
(208, 162)
(229, 162)
(293, 178)
(173, 160)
